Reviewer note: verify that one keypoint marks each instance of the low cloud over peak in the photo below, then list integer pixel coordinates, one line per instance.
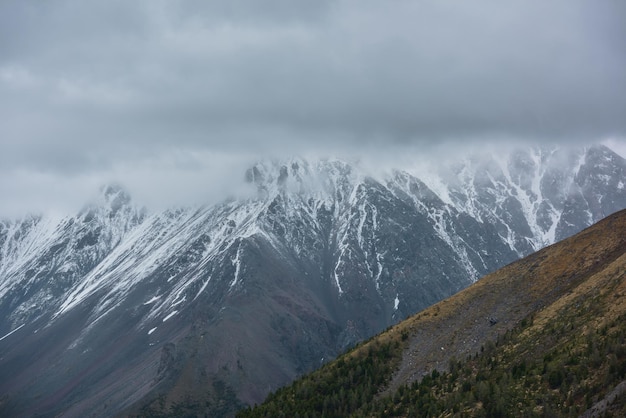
(96, 90)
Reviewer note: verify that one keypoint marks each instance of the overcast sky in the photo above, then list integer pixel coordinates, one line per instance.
(175, 98)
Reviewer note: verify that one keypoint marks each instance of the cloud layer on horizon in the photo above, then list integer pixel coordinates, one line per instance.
(94, 90)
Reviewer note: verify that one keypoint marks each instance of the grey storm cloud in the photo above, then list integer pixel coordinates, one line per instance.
(93, 87)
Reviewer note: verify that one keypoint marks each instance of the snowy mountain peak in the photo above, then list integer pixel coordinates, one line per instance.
(300, 176)
(323, 249)
(113, 197)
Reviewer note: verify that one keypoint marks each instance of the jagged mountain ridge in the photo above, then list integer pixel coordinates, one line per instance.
(322, 249)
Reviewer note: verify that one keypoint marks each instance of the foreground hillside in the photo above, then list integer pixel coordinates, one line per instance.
(544, 336)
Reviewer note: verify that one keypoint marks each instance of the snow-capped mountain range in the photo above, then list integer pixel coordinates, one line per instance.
(105, 309)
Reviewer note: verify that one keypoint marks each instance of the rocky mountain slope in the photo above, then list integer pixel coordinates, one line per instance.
(544, 336)
(117, 306)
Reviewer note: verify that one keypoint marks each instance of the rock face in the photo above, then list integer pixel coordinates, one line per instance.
(116, 307)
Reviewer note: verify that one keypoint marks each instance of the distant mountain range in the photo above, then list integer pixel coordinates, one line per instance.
(118, 308)
(544, 336)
